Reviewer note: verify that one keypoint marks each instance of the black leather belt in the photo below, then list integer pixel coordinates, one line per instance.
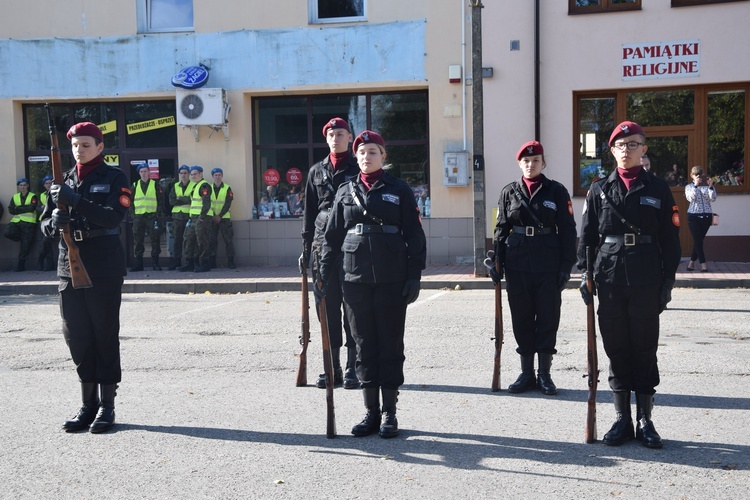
(629, 239)
(373, 228)
(533, 230)
(79, 235)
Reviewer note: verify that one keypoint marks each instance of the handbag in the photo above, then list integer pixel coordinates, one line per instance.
(715, 220)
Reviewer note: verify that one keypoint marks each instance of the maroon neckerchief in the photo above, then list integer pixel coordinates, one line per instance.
(85, 169)
(369, 180)
(629, 175)
(532, 184)
(338, 159)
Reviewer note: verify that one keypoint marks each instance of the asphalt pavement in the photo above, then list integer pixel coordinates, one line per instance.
(208, 407)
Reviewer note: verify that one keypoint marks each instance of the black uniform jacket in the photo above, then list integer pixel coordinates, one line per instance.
(320, 191)
(553, 252)
(650, 207)
(105, 198)
(375, 257)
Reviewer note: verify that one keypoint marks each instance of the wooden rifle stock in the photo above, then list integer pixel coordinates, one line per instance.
(327, 368)
(592, 368)
(498, 333)
(304, 338)
(79, 277)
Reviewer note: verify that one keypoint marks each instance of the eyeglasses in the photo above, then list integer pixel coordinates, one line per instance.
(630, 145)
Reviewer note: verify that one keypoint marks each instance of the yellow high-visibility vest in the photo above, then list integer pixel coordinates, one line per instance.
(217, 200)
(145, 203)
(27, 216)
(196, 205)
(180, 192)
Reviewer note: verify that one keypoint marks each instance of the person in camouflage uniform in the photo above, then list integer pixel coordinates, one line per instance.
(147, 205)
(197, 239)
(221, 199)
(180, 199)
(23, 208)
(47, 260)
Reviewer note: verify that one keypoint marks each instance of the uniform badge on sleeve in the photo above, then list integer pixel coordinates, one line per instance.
(125, 197)
(391, 198)
(675, 216)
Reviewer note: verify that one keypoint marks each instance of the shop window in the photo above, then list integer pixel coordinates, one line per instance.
(157, 16)
(661, 107)
(337, 11)
(596, 6)
(596, 119)
(726, 137)
(686, 3)
(288, 140)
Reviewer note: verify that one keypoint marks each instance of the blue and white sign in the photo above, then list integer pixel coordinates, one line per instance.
(192, 77)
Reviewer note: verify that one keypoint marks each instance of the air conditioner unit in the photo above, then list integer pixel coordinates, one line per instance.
(202, 107)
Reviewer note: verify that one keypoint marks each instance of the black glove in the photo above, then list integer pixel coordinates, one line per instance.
(665, 294)
(588, 297)
(411, 290)
(319, 289)
(62, 194)
(563, 280)
(304, 258)
(495, 275)
(60, 218)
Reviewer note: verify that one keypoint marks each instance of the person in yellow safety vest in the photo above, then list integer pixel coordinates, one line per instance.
(180, 198)
(221, 201)
(147, 196)
(196, 242)
(47, 260)
(23, 223)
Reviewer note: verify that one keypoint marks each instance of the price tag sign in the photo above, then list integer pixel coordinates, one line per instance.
(271, 177)
(294, 176)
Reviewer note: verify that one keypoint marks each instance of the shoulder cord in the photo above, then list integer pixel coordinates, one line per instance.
(604, 196)
(361, 206)
(516, 191)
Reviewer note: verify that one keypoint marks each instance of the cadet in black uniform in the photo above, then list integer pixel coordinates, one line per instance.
(323, 181)
(535, 245)
(631, 221)
(98, 197)
(374, 223)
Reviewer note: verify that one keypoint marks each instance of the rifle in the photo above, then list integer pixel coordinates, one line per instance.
(79, 277)
(498, 338)
(327, 367)
(304, 337)
(592, 368)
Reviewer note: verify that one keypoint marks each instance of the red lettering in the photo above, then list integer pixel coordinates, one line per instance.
(626, 53)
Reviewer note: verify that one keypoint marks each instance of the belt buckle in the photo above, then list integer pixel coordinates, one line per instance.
(359, 228)
(78, 235)
(530, 230)
(629, 239)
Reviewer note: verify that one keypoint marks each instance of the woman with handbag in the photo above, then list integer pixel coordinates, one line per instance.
(699, 194)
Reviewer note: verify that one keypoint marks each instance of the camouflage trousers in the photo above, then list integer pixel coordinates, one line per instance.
(178, 236)
(224, 227)
(143, 224)
(28, 234)
(196, 242)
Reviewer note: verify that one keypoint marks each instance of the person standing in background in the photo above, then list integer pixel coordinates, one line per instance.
(197, 239)
(221, 200)
(23, 208)
(700, 194)
(47, 249)
(180, 199)
(147, 196)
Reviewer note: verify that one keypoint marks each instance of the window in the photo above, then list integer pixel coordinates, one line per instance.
(159, 16)
(595, 6)
(337, 11)
(288, 140)
(685, 126)
(684, 3)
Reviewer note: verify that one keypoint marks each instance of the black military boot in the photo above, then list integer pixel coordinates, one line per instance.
(622, 429)
(543, 378)
(105, 418)
(526, 379)
(202, 266)
(644, 430)
(137, 265)
(155, 263)
(371, 423)
(230, 263)
(188, 267)
(21, 266)
(338, 375)
(174, 263)
(389, 423)
(211, 262)
(350, 375)
(87, 413)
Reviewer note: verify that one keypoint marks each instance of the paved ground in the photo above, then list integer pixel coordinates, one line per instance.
(208, 407)
(263, 279)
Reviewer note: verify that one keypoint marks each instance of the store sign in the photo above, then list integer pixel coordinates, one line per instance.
(652, 60)
(137, 128)
(271, 177)
(38, 159)
(294, 176)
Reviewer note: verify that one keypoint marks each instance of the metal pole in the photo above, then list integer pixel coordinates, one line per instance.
(480, 217)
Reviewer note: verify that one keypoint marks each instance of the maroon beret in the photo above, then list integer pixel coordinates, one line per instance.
(336, 123)
(368, 137)
(85, 128)
(531, 148)
(625, 129)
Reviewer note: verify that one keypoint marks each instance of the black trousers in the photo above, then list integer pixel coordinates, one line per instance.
(534, 300)
(91, 327)
(337, 320)
(699, 226)
(377, 316)
(629, 324)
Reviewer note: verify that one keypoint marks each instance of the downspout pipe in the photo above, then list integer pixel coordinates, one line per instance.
(537, 106)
